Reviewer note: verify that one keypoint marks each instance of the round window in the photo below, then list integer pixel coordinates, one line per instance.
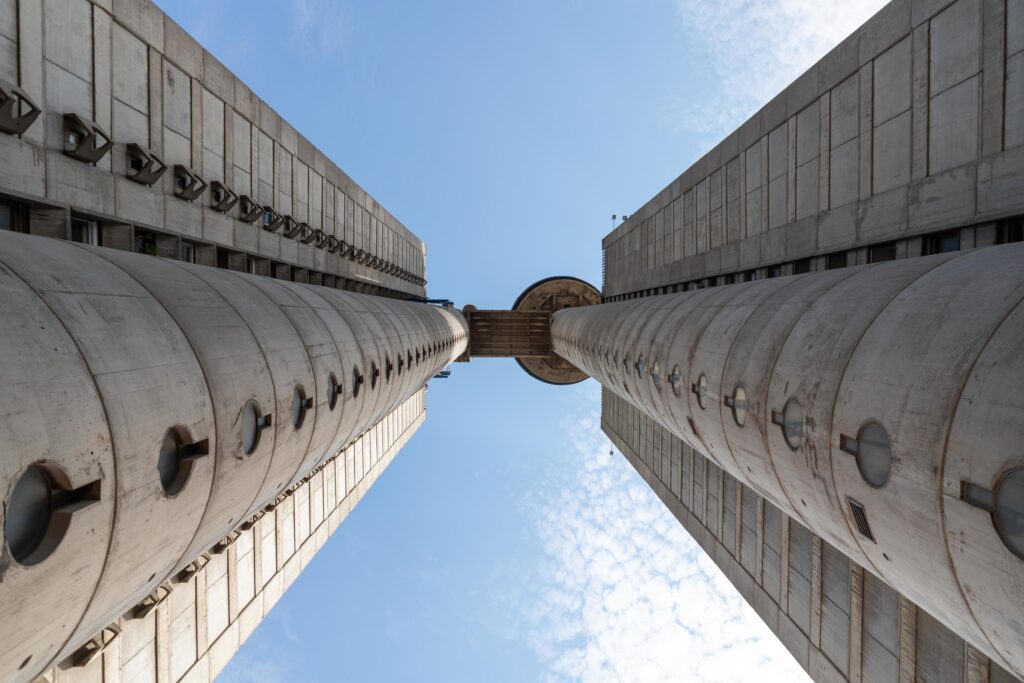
(701, 389)
(793, 424)
(641, 365)
(627, 362)
(388, 368)
(739, 406)
(332, 391)
(1009, 511)
(357, 381)
(29, 514)
(656, 375)
(374, 374)
(298, 407)
(174, 469)
(675, 378)
(250, 427)
(874, 454)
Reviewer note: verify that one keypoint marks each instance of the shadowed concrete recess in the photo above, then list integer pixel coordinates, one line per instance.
(150, 407)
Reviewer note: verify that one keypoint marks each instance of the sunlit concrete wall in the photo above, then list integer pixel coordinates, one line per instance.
(107, 356)
(912, 126)
(126, 66)
(192, 627)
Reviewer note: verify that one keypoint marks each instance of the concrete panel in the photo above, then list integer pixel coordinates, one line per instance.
(892, 79)
(182, 49)
(213, 124)
(177, 100)
(22, 167)
(844, 173)
(807, 189)
(884, 216)
(953, 127)
(881, 632)
(845, 115)
(9, 21)
(65, 92)
(777, 202)
(999, 181)
(939, 652)
(8, 58)
(69, 36)
(891, 153)
(129, 125)
(955, 45)
(72, 182)
(1014, 128)
(1014, 26)
(139, 204)
(941, 201)
(808, 127)
(131, 70)
(143, 18)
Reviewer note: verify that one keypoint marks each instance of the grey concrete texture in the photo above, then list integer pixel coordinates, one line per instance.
(140, 77)
(106, 350)
(910, 126)
(921, 347)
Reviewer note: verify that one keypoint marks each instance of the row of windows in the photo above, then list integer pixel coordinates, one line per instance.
(40, 504)
(871, 447)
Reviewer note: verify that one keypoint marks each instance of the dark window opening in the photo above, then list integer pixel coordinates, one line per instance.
(802, 266)
(836, 261)
(1011, 230)
(941, 243)
(882, 252)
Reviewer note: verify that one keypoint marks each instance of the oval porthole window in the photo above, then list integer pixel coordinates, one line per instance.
(793, 424)
(388, 368)
(656, 375)
(701, 389)
(357, 381)
(332, 391)
(874, 454)
(675, 378)
(178, 454)
(374, 374)
(641, 365)
(251, 427)
(627, 362)
(739, 406)
(299, 405)
(1009, 511)
(39, 509)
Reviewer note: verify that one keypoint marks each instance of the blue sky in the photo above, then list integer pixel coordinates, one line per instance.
(504, 543)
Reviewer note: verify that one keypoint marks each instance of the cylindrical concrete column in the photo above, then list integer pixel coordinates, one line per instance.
(881, 406)
(148, 407)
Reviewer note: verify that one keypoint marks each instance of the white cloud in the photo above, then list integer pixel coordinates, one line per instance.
(321, 28)
(625, 594)
(755, 48)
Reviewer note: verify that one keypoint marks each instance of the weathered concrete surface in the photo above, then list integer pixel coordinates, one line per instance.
(920, 347)
(107, 350)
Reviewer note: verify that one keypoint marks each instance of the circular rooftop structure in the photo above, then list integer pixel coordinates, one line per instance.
(550, 295)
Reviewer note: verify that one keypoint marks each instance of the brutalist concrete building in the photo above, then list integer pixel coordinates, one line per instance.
(808, 345)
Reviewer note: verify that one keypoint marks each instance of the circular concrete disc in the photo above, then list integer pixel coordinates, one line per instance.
(553, 294)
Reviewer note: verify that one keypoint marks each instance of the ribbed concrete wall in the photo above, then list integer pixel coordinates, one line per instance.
(105, 352)
(924, 348)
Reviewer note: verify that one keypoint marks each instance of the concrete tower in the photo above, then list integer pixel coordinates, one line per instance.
(204, 372)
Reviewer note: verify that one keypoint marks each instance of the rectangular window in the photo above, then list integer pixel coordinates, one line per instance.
(836, 260)
(1010, 231)
(941, 243)
(802, 266)
(250, 265)
(882, 252)
(188, 252)
(5, 216)
(84, 231)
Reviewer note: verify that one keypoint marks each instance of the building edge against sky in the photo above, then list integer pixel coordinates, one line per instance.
(906, 140)
(198, 431)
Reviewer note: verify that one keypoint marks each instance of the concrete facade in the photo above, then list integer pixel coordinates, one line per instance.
(151, 407)
(902, 142)
(906, 133)
(190, 627)
(776, 381)
(126, 67)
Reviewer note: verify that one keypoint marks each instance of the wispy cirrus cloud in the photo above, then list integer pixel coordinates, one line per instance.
(321, 28)
(625, 594)
(755, 48)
